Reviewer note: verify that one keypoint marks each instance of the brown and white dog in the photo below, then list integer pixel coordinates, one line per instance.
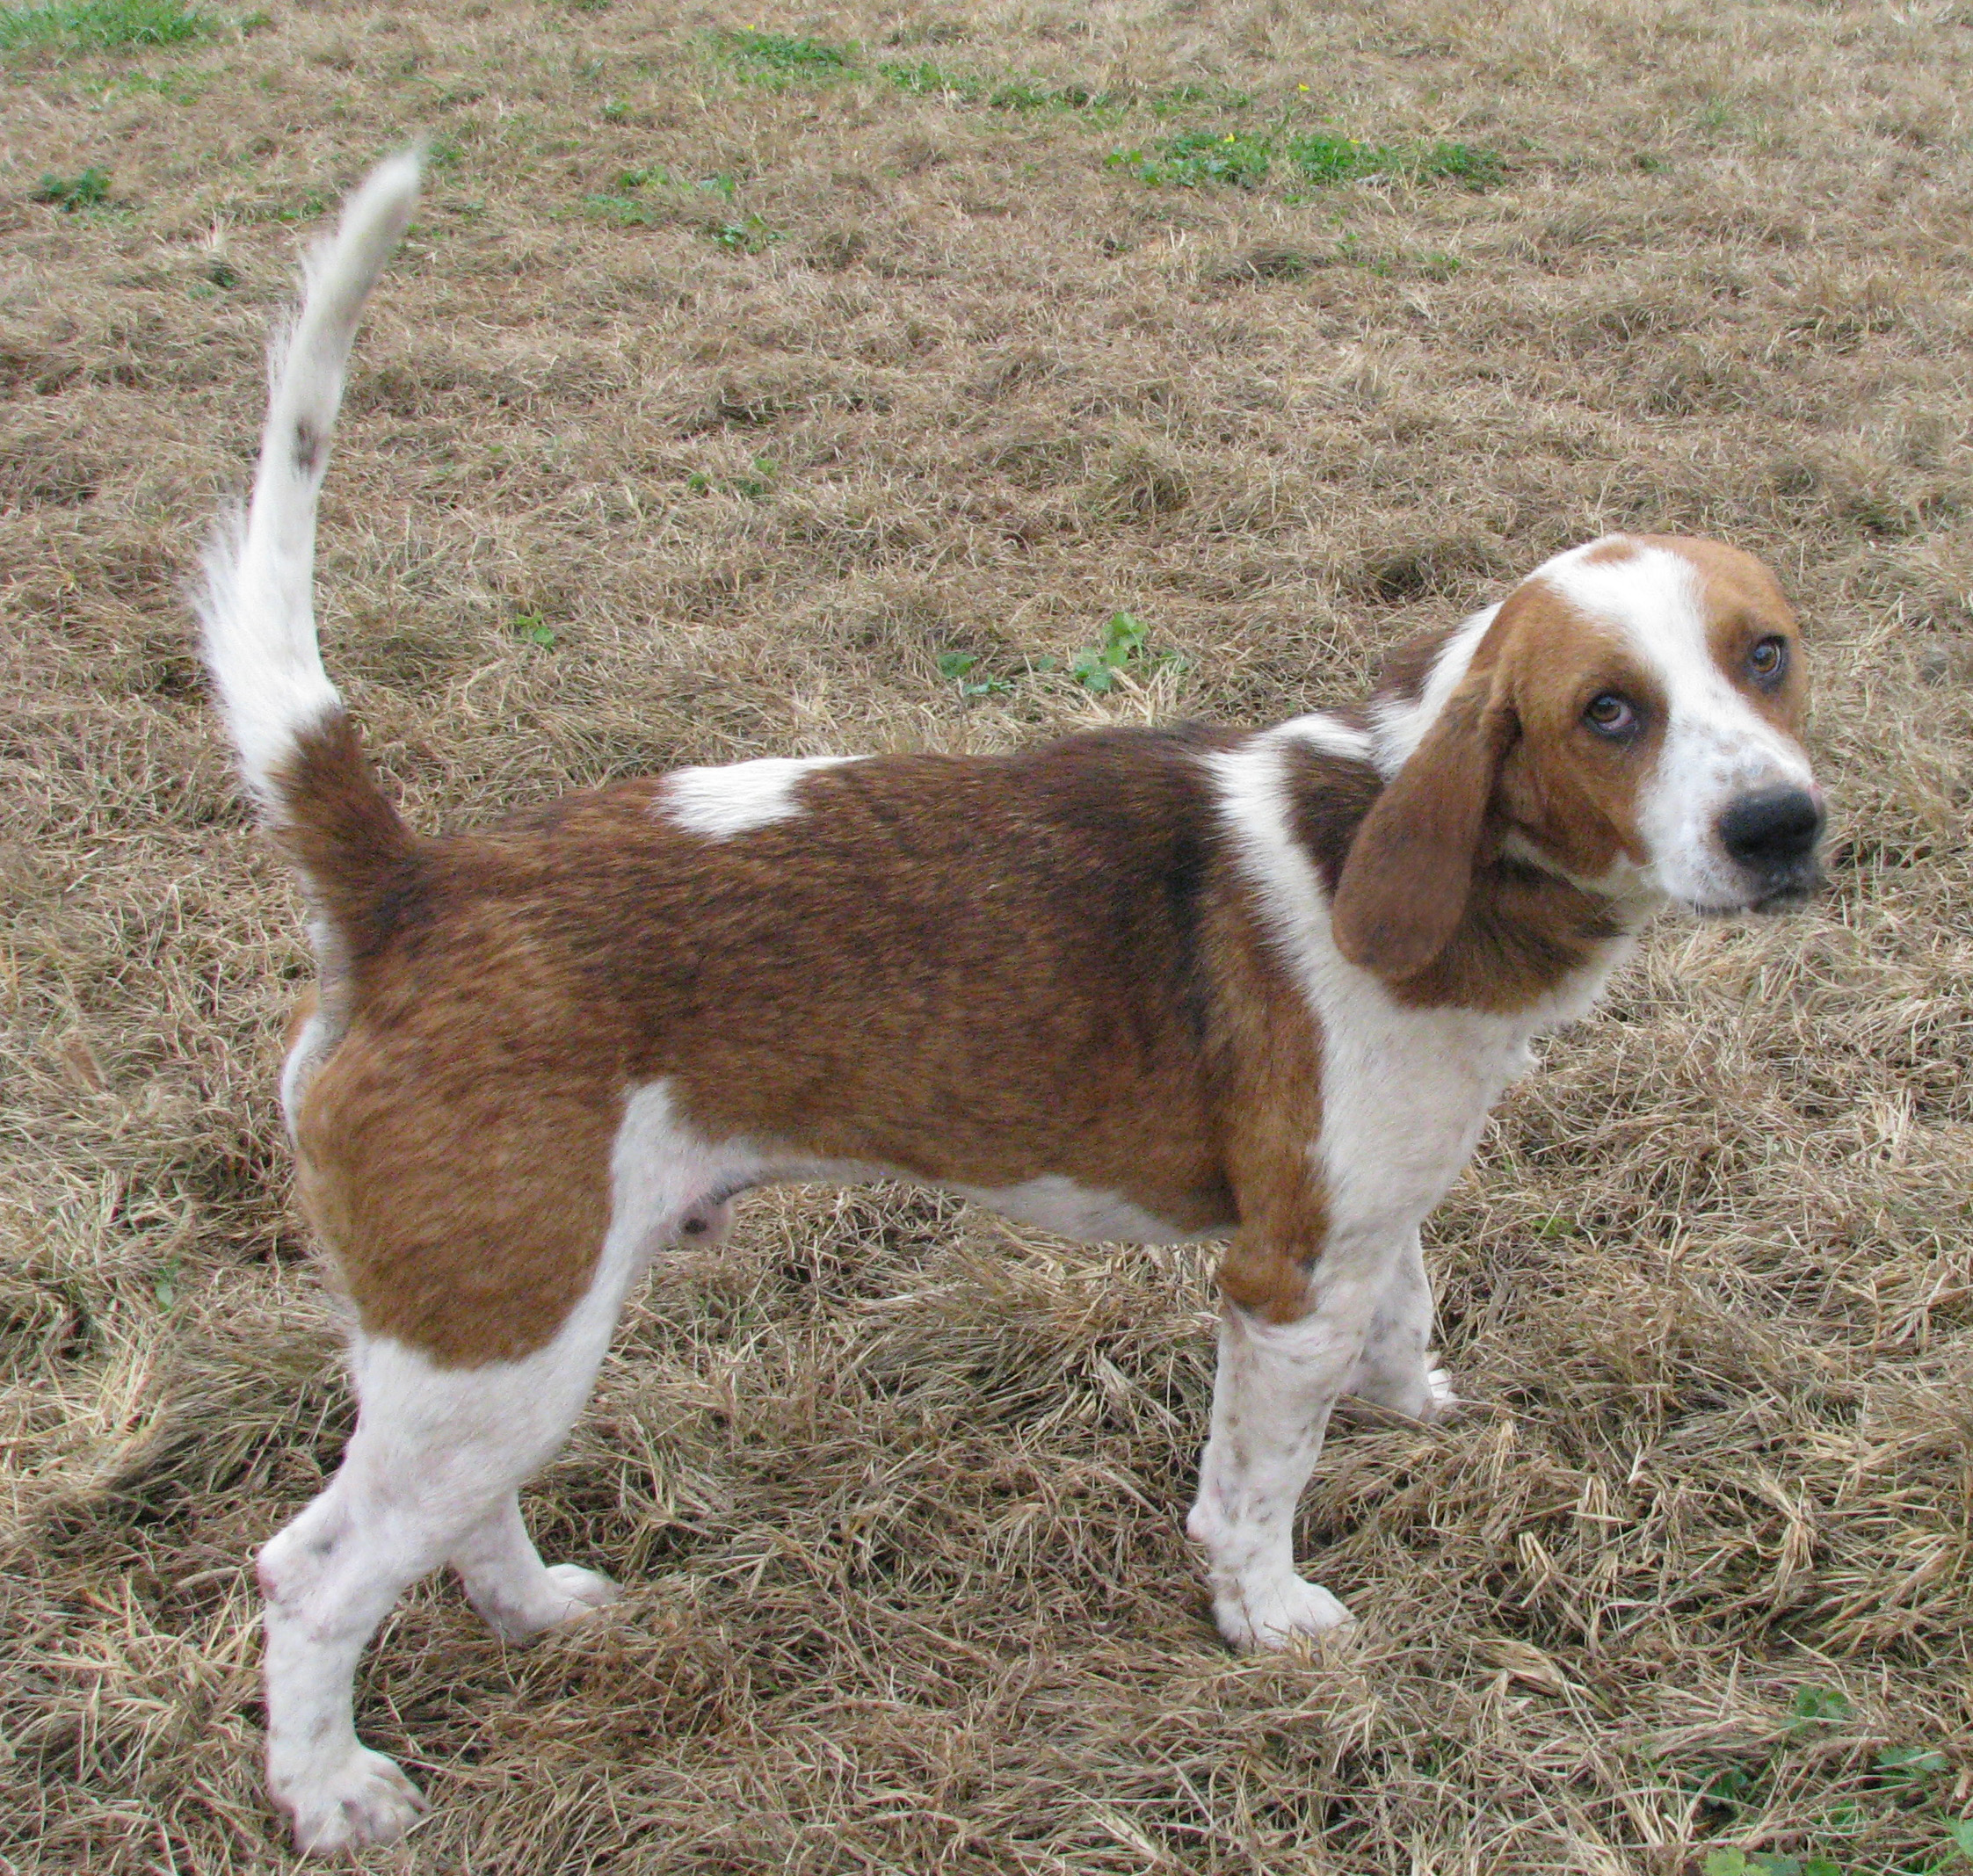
(1138, 985)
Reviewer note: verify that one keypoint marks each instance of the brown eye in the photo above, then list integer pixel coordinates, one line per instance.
(1611, 715)
(1768, 659)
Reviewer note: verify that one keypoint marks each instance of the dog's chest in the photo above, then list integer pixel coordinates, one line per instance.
(1405, 1096)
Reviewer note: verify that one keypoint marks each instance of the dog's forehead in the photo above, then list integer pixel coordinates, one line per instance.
(1674, 605)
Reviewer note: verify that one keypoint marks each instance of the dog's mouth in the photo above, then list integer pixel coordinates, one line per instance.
(1770, 898)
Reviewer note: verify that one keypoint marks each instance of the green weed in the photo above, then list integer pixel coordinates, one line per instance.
(756, 484)
(1244, 159)
(1763, 1863)
(957, 668)
(1122, 650)
(1908, 1776)
(99, 25)
(534, 628)
(749, 235)
(924, 79)
(1192, 98)
(69, 193)
(1324, 159)
(781, 56)
(1240, 159)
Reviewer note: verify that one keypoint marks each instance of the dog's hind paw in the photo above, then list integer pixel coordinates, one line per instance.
(364, 1799)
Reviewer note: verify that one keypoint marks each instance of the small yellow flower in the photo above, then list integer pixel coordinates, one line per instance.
(1301, 88)
(1230, 136)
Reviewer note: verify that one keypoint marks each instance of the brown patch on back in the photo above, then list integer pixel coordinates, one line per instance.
(1611, 550)
(974, 971)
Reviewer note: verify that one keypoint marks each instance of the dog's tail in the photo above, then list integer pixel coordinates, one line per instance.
(298, 750)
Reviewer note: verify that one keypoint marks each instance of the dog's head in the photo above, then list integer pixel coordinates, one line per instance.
(1629, 718)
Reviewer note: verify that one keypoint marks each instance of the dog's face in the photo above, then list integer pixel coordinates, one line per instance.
(1630, 718)
(1658, 689)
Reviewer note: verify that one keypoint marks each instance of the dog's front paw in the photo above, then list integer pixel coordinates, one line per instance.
(1278, 1614)
(1441, 1402)
(574, 1592)
(363, 1799)
(562, 1593)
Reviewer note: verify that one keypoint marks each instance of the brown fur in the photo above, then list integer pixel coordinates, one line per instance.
(973, 971)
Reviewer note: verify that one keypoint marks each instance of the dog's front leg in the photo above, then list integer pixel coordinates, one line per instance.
(1398, 1368)
(1277, 1382)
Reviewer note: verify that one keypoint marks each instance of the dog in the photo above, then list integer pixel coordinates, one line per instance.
(1135, 985)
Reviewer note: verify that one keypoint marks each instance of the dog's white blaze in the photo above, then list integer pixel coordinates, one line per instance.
(1398, 724)
(430, 1476)
(735, 799)
(1717, 746)
(1059, 1204)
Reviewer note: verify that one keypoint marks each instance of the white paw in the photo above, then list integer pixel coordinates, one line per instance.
(564, 1592)
(1441, 1403)
(1278, 1612)
(364, 1799)
(577, 1592)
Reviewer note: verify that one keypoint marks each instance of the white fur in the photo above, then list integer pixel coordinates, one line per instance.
(1405, 1093)
(430, 1477)
(1060, 1205)
(1717, 747)
(739, 797)
(258, 602)
(1398, 724)
(1328, 735)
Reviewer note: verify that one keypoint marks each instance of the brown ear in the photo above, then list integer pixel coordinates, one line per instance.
(1404, 885)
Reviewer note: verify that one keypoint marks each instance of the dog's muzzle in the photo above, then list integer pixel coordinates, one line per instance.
(1771, 835)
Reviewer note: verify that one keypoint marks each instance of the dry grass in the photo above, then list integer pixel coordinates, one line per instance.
(897, 1489)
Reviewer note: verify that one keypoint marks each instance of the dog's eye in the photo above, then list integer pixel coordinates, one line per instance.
(1611, 715)
(1768, 659)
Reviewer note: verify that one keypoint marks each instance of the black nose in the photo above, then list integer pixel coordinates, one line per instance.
(1773, 829)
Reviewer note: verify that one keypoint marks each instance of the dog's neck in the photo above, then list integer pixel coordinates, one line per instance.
(1530, 938)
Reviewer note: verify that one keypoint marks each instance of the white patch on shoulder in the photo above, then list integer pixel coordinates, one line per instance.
(1405, 1092)
(1398, 724)
(1059, 1204)
(739, 796)
(1329, 736)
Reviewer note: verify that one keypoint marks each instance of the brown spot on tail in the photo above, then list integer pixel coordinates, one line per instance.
(338, 825)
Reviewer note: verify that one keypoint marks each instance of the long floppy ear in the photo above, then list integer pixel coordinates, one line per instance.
(1404, 885)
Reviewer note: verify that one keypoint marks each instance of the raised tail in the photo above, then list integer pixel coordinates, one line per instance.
(298, 750)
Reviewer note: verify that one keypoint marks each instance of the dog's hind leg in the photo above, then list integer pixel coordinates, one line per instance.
(430, 1476)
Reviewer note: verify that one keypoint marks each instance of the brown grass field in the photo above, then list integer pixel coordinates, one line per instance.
(724, 384)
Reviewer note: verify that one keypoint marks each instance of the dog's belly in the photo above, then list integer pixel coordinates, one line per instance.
(1072, 1211)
